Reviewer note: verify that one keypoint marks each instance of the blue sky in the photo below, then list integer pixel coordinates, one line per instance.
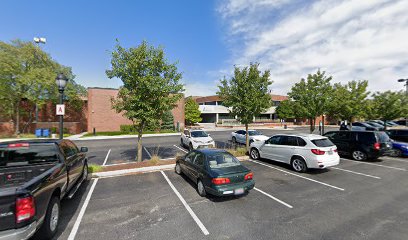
(350, 39)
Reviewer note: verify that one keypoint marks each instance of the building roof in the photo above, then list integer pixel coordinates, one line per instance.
(214, 98)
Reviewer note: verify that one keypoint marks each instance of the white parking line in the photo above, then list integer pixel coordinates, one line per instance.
(374, 164)
(193, 215)
(106, 158)
(82, 212)
(274, 198)
(150, 156)
(297, 175)
(358, 173)
(180, 148)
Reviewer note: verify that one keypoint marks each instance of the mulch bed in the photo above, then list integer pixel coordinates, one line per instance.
(137, 165)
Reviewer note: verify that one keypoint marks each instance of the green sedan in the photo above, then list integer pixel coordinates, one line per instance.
(215, 172)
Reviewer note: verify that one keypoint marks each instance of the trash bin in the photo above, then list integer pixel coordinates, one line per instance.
(38, 132)
(46, 132)
(285, 126)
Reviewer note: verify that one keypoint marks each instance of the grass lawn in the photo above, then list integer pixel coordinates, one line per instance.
(118, 133)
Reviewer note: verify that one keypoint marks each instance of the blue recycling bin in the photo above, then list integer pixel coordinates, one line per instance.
(38, 132)
(46, 132)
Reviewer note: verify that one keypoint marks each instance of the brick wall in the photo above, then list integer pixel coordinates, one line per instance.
(103, 118)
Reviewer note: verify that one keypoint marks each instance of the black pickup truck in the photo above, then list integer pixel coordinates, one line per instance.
(34, 176)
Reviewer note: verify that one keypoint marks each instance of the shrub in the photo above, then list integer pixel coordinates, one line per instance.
(92, 168)
(238, 152)
(154, 159)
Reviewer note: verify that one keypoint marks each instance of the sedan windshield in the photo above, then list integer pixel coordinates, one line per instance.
(222, 160)
(197, 134)
(254, 133)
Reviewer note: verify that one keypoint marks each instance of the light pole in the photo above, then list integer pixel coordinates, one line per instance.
(61, 81)
(38, 40)
(406, 92)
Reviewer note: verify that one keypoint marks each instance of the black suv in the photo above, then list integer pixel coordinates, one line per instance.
(400, 135)
(361, 145)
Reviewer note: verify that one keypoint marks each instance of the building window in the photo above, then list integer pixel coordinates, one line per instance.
(210, 103)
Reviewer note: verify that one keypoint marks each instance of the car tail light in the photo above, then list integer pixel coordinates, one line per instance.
(335, 150)
(25, 209)
(18, 145)
(249, 176)
(219, 181)
(318, 152)
(377, 146)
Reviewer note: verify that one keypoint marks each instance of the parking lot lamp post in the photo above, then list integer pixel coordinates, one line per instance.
(38, 40)
(406, 92)
(61, 81)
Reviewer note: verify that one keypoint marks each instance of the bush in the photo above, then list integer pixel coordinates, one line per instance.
(55, 130)
(238, 152)
(92, 168)
(128, 129)
(155, 159)
(167, 121)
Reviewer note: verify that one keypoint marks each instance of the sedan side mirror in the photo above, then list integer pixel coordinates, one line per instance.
(84, 149)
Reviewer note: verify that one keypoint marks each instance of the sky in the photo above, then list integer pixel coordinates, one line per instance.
(349, 39)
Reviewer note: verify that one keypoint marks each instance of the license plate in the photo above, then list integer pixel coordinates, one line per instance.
(239, 191)
(330, 152)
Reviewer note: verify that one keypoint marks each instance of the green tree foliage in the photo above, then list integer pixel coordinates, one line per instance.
(349, 101)
(246, 93)
(192, 113)
(311, 97)
(389, 105)
(167, 121)
(286, 109)
(150, 85)
(28, 73)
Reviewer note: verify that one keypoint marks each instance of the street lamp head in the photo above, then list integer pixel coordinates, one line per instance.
(61, 81)
(402, 80)
(40, 40)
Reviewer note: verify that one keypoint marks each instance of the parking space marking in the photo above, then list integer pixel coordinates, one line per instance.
(150, 156)
(106, 158)
(297, 175)
(180, 148)
(274, 198)
(358, 173)
(193, 215)
(82, 212)
(374, 164)
(395, 159)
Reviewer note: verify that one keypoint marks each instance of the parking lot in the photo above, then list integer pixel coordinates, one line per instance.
(355, 200)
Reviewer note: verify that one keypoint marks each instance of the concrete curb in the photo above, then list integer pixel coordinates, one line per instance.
(132, 170)
(142, 170)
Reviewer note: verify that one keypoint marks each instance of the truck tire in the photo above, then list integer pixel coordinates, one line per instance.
(51, 220)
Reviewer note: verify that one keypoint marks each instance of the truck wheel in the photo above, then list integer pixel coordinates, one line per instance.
(51, 221)
(85, 172)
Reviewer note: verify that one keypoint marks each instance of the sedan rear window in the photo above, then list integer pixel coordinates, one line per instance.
(27, 154)
(222, 160)
(324, 142)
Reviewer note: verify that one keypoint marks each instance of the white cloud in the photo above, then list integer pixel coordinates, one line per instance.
(349, 39)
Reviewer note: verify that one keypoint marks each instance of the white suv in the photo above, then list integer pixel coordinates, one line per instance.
(300, 151)
(194, 139)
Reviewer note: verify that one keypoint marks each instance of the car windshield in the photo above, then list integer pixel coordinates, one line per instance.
(26, 154)
(382, 137)
(222, 160)
(324, 142)
(197, 134)
(254, 133)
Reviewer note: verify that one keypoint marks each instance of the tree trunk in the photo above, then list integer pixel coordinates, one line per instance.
(351, 124)
(17, 123)
(139, 142)
(312, 124)
(246, 136)
(385, 125)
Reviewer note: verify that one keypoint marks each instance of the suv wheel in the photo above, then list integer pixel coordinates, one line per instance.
(52, 217)
(254, 153)
(359, 155)
(299, 165)
(181, 142)
(177, 169)
(234, 140)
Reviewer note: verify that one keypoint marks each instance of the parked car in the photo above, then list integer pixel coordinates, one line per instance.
(400, 149)
(300, 151)
(196, 138)
(389, 124)
(403, 122)
(365, 125)
(376, 125)
(34, 176)
(253, 135)
(400, 135)
(361, 145)
(215, 172)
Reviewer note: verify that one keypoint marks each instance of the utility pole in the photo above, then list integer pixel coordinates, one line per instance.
(38, 40)
(406, 92)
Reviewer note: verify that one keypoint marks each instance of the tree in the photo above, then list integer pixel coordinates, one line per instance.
(286, 109)
(312, 97)
(28, 73)
(191, 111)
(246, 93)
(389, 105)
(167, 121)
(349, 101)
(150, 85)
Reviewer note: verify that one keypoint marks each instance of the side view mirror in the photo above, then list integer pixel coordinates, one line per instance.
(187, 136)
(84, 149)
(209, 134)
